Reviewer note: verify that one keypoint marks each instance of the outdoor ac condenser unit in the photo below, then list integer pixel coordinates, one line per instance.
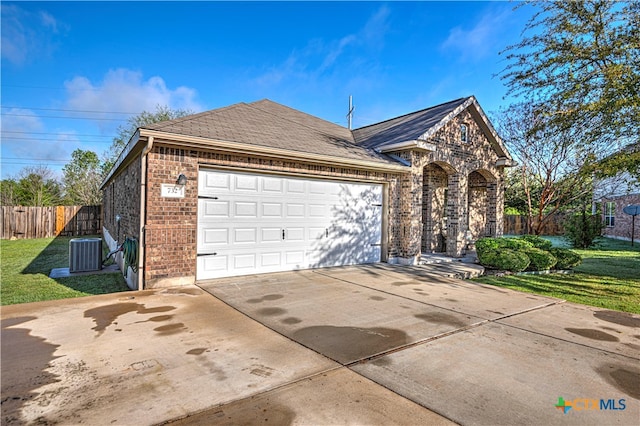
(85, 254)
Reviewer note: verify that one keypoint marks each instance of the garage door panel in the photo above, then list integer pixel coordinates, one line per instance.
(272, 185)
(295, 210)
(325, 223)
(246, 209)
(214, 183)
(317, 210)
(272, 210)
(316, 233)
(295, 186)
(294, 234)
(246, 183)
(270, 260)
(244, 261)
(295, 258)
(213, 209)
(271, 235)
(215, 236)
(212, 264)
(245, 235)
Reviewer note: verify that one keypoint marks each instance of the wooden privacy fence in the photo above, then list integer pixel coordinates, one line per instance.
(44, 222)
(517, 225)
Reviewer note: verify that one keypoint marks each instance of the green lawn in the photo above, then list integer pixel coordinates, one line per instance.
(609, 277)
(25, 269)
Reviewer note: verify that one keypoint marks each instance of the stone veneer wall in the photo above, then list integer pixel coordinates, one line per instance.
(459, 160)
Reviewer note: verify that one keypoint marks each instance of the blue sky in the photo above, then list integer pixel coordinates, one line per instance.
(72, 72)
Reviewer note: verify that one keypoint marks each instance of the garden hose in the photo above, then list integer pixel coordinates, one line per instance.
(130, 253)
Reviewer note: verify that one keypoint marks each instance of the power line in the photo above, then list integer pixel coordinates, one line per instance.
(66, 118)
(51, 139)
(72, 110)
(33, 159)
(53, 133)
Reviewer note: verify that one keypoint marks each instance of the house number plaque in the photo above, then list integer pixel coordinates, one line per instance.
(172, 191)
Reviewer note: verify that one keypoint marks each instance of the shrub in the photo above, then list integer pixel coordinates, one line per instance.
(540, 260)
(567, 259)
(582, 230)
(501, 243)
(504, 259)
(538, 242)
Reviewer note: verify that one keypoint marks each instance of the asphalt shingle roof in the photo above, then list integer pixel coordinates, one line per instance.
(269, 124)
(404, 128)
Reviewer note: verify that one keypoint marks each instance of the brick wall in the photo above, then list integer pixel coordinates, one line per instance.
(622, 221)
(171, 231)
(170, 240)
(122, 197)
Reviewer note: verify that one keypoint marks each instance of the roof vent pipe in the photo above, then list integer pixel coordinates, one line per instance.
(350, 113)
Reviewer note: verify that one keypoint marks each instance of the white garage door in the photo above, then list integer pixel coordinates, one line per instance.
(252, 223)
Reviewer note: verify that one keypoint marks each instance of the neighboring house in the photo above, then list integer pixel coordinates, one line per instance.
(267, 188)
(611, 196)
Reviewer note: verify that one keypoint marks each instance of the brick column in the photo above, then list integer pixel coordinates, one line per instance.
(411, 214)
(457, 214)
(498, 208)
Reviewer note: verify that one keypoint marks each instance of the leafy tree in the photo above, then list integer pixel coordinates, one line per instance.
(579, 61)
(162, 113)
(8, 192)
(82, 178)
(626, 159)
(36, 186)
(553, 166)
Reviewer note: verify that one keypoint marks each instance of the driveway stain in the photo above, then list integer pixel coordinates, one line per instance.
(402, 283)
(593, 334)
(377, 298)
(187, 291)
(622, 378)
(248, 411)
(157, 318)
(347, 344)
(169, 329)
(442, 318)
(622, 318)
(260, 370)
(196, 351)
(291, 320)
(266, 298)
(21, 351)
(271, 311)
(104, 316)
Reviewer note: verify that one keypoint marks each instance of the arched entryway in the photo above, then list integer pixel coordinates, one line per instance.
(481, 204)
(435, 209)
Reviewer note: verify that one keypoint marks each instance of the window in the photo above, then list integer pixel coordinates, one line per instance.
(609, 213)
(463, 133)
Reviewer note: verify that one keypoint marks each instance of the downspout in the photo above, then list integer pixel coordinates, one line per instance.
(143, 211)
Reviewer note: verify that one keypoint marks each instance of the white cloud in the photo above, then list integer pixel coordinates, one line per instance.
(27, 35)
(481, 40)
(319, 58)
(124, 90)
(48, 21)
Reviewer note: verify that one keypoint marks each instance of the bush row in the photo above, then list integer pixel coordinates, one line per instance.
(529, 252)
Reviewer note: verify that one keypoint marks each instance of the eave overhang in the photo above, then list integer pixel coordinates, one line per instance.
(138, 140)
(417, 144)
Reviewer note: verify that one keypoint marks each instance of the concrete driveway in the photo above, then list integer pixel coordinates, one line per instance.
(367, 345)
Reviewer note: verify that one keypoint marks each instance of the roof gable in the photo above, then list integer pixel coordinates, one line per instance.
(409, 130)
